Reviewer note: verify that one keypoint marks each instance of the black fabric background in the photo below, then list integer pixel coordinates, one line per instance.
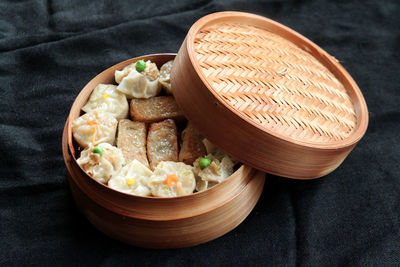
(50, 49)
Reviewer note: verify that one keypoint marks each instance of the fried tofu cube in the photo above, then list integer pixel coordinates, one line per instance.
(155, 109)
(132, 141)
(192, 146)
(162, 142)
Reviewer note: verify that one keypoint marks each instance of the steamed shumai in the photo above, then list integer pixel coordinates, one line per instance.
(172, 179)
(107, 98)
(94, 127)
(101, 166)
(132, 179)
(219, 169)
(136, 84)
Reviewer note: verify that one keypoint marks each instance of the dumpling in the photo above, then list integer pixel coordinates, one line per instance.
(107, 98)
(172, 179)
(94, 127)
(217, 171)
(132, 179)
(165, 72)
(101, 166)
(139, 84)
(220, 168)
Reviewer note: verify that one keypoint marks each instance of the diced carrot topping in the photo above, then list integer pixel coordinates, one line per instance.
(92, 122)
(171, 179)
(105, 96)
(130, 181)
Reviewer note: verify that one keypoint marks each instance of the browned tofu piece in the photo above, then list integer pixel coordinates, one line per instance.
(132, 141)
(192, 146)
(155, 109)
(162, 142)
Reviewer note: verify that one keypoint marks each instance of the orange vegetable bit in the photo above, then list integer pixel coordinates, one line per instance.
(171, 179)
(92, 123)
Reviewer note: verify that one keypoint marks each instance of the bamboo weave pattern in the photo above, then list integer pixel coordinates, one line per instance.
(274, 82)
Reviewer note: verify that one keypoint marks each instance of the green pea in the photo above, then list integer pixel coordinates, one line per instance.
(98, 150)
(140, 65)
(204, 163)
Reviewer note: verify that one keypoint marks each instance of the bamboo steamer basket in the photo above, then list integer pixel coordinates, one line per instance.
(282, 104)
(153, 222)
(263, 93)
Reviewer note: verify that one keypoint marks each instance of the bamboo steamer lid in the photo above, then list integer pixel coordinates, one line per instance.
(268, 96)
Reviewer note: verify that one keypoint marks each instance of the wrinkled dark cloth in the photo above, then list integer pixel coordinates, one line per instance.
(50, 49)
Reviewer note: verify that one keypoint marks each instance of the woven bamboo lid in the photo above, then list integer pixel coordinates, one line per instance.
(267, 95)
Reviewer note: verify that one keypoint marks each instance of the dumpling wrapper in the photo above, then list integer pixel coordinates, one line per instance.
(94, 127)
(202, 185)
(132, 179)
(165, 78)
(107, 98)
(136, 84)
(101, 167)
(185, 185)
